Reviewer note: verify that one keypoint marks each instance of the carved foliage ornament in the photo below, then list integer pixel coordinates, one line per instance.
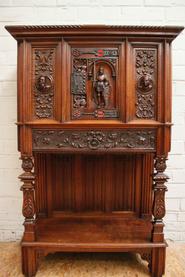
(28, 204)
(146, 68)
(159, 204)
(94, 140)
(43, 82)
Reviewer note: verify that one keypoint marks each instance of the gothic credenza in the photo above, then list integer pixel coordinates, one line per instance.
(94, 123)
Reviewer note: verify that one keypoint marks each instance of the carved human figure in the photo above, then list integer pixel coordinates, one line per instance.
(43, 83)
(145, 83)
(102, 88)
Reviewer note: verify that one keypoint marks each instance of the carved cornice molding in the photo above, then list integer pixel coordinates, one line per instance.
(19, 31)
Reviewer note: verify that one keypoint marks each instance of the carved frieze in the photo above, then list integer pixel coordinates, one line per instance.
(94, 139)
(43, 82)
(146, 69)
(93, 82)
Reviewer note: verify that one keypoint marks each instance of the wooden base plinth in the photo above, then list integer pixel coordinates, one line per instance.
(95, 234)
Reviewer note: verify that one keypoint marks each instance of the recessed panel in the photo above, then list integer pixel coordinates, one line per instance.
(93, 83)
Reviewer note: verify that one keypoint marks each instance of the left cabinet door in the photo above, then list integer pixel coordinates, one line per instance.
(40, 81)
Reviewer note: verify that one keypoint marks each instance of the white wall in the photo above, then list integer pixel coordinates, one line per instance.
(141, 12)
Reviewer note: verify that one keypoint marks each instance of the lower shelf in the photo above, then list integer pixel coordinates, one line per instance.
(93, 234)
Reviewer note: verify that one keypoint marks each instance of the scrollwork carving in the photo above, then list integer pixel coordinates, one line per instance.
(94, 140)
(145, 82)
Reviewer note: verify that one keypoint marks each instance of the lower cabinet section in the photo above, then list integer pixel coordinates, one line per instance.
(92, 203)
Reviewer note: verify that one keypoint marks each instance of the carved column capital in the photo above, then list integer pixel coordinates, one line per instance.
(160, 163)
(27, 163)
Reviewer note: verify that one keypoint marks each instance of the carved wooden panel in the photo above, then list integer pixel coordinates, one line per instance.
(77, 140)
(145, 71)
(43, 82)
(93, 83)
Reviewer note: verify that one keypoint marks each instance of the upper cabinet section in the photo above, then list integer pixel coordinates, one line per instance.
(94, 74)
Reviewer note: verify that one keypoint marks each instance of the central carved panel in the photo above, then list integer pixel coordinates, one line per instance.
(93, 83)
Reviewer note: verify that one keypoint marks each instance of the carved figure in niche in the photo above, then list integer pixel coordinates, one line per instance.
(43, 83)
(145, 83)
(102, 89)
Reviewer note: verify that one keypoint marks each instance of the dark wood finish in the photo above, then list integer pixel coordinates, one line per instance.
(94, 123)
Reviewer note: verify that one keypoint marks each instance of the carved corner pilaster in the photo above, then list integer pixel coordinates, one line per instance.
(28, 208)
(159, 178)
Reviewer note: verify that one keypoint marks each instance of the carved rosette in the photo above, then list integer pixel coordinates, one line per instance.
(27, 178)
(43, 82)
(94, 140)
(146, 68)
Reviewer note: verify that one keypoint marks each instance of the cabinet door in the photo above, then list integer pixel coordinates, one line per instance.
(93, 90)
(144, 81)
(40, 79)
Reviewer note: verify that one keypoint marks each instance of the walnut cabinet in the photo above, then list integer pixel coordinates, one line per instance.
(94, 124)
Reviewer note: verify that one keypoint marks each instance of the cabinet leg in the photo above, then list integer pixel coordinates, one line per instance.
(158, 262)
(29, 261)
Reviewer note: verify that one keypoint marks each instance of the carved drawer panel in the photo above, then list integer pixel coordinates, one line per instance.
(95, 140)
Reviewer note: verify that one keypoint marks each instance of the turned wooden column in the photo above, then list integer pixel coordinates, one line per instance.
(157, 265)
(159, 198)
(28, 208)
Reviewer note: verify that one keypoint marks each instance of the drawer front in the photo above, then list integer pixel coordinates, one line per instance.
(124, 140)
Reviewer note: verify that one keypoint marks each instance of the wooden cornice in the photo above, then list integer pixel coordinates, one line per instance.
(21, 31)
